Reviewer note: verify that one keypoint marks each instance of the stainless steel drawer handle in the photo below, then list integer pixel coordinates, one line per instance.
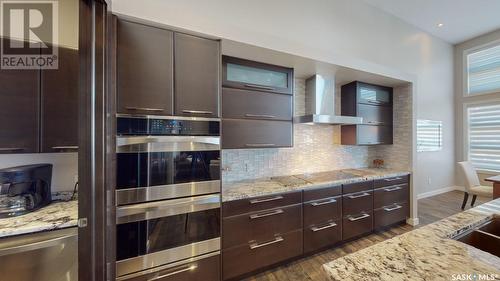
(260, 115)
(65, 147)
(363, 216)
(257, 245)
(315, 204)
(11, 149)
(143, 108)
(330, 225)
(259, 144)
(396, 207)
(394, 179)
(188, 268)
(359, 195)
(268, 214)
(375, 122)
(393, 188)
(262, 200)
(197, 111)
(258, 87)
(374, 102)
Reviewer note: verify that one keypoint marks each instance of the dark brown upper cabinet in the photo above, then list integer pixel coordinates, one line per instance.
(144, 69)
(257, 76)
(375, 105)
(19, 110)
(197, 76)
(59, 110)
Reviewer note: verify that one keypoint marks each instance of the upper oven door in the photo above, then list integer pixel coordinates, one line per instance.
(162, 167)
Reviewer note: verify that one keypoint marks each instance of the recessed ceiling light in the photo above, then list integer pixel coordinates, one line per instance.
(440, 24)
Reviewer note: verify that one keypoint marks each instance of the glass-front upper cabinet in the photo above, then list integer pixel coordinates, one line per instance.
(374, 95)
(250, 75)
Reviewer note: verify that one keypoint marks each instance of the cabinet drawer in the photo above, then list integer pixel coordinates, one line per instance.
(390, 194)
(373, 134)
(391, 181)
(322, 210)
(255, 105)
(261, 225)
(256, 134)
(198, 270)
(355, 225)
(322, 234)
(321, 193)
(390, 214)
(249, 257)
(357, 187)
(243, 206)
(354, 203)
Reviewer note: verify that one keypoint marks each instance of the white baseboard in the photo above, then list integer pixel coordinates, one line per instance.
(412, 221)
(438, 191)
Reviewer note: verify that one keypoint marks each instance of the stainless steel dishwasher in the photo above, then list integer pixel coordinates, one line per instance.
(42, 256)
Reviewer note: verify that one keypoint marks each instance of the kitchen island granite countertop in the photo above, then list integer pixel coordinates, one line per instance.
(59, 214)
(426, 253)
(268, 186)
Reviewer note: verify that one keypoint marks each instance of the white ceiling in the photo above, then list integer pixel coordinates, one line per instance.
(462, 19)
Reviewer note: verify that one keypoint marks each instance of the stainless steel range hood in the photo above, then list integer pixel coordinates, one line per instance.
(320, 104)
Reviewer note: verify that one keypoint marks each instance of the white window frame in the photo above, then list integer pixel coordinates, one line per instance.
(465, 64)
(466, 106)
(438, 148)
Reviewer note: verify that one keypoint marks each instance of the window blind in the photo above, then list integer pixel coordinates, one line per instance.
(483, 71)
(429, 135)
(484, 136)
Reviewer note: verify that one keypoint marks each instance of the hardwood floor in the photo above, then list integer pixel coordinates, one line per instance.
(430, 209)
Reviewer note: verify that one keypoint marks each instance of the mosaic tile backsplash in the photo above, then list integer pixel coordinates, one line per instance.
(316, 148)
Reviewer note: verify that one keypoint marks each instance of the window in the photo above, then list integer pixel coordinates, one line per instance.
(483, 71)
(484, 136)
(429, 135)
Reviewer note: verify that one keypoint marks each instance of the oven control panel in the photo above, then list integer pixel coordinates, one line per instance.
(166, 127)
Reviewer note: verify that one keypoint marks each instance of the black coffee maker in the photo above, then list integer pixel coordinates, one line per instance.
(24, 189)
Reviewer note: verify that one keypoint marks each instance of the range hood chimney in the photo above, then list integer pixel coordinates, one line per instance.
(320, 104)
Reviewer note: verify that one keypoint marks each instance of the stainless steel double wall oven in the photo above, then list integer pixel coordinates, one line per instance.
(168, 192)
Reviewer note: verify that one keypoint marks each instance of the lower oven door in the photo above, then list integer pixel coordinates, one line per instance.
(159, 233)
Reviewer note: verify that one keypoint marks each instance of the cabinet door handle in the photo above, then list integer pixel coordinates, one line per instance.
(197, 111)
(144, 108)
(258, 87)
(389, 189)
(363, 216)
(374, 102)
(65, 147)
(260, 115)
(354, 196)
(315, 204)
(187, 268)
(259, 144)
(330, 225)
(278, 239)
(396, 207)
(262, 200)
(13, 149)
(268, 214)
(393, 179)
(375, 122)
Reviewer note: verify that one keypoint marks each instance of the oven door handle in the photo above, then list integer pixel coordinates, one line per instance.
(166, 143)
(185, 269)
(152, 210)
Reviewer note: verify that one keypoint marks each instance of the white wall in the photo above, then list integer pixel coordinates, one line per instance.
(349, 33)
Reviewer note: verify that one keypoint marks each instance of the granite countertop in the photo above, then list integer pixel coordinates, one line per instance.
(426, 253)
(61, 213)
(267, 186)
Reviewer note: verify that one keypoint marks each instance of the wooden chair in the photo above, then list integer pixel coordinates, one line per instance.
(472, 184)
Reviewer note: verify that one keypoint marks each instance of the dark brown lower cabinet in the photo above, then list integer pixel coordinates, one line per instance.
(357, 224)
(261, 225)
(321, 235)
(390, 214)
(207, 269)
(252, 256)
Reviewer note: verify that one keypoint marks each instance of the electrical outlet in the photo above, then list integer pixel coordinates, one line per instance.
(75, 178)
(429, 181)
